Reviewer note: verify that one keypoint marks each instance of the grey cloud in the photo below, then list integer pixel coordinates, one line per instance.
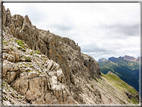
(36, 15)
(92, 48)
(99, 55)
(129, 30)
(61, 27)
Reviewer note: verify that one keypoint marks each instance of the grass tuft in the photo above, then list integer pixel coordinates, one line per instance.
(37, 52)
(92, 85)
(20, 43)
(31, 53)
(27, 58)
(4, 42)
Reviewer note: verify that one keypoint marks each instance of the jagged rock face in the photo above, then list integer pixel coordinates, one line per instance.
(20, 27)
(129, 58)
(63, 51)
(33, 75)
(91, 65)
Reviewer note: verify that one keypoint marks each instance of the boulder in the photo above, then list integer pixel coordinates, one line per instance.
(16, 56)
(11, 58)
(18, 20)
(11, 76)
(20, 85)
(50, 99)
(23, 86)
(6, 49)
(5, 55)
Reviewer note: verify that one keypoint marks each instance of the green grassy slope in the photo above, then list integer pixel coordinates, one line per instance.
(122, 86)
(126, 70)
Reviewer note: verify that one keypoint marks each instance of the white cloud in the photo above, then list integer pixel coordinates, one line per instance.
(101, 29)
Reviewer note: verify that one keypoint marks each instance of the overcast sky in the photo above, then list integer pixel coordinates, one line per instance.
(102, 30)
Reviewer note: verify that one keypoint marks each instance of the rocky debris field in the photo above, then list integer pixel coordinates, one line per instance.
(11, 97)
(32, 74)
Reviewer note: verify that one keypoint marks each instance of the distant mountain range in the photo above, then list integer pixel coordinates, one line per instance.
(102, 60)
(126, 57)
(127, 68)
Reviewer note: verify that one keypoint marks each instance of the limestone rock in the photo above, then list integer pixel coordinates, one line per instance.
(15, 55)
(6, 49)
(27, 20)
(4, 69)
(109, 72)
(18, 20)
(8, 17)
(11, 96)
(33, 74)
(91, 65)
(51, 99)
(5, 56)
(4, 16)
(11, 58)
(60, 76)
(11, 76)
(7, 66)
(54, 74)
(20, 85)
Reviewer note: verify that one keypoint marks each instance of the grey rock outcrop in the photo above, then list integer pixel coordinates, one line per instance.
(109, 72)
(33, 75)
(63, 51)
(91, 65)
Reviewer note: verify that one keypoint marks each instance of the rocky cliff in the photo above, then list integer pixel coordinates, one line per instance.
(45, 68)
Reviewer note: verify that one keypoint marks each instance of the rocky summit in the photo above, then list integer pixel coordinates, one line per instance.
(130, 58)
(40, 67)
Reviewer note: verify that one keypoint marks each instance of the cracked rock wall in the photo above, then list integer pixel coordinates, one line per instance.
(63, 51)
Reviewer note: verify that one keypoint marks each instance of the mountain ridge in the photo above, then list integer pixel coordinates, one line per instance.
(122, 68)
(44, 68)
(125, 57)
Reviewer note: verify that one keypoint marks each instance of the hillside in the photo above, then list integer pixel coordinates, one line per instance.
(127, 63)
(120, 85)
(40, 67)
(126, 70)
